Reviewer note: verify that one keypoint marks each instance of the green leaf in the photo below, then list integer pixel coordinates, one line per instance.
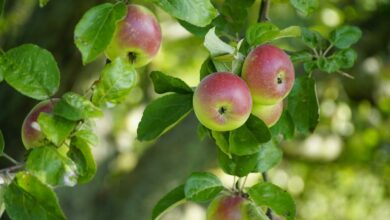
(312, 39)
(74, 107)
(284, 127)
(115, 83)
(81, 154)
(267, 194)
(301, 57)
(202, 187)
(31, 70)
(2, 143)
(51, 167)
(164, 83)
(243, 141)
(259, 129)
(196, 12)
(246, 139)
(261, 33)
(28, 198)
(303, 104)
(2, 203)
(268, 157)
(202, 132)
(56, 129)
(235, 14)
(328, 65)
(162, 114)
(343, 37)
(237, 165)
(2, 6)
(215, 45)
(170, 200)
(310, 66)
(305, 7)
(222, 141)
(86, 133)
(292, 31)
(195, 30)
(96, 28)
(207, 68)
(42, 3)
(346, 58)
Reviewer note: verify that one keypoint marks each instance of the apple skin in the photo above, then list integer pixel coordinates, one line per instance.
(270, 114)
(137, 37)
(31, 133)
(269, 74)
(233, 207)
(222, 101)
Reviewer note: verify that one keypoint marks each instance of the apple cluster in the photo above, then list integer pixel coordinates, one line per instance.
(224, 101)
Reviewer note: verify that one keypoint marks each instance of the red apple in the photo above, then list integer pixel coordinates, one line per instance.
(31, 131)
(137, 37)
(222, 101)
(233, 207)
(269, 74)
(270, 114)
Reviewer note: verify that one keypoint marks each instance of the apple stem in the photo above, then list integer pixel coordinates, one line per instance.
(269, 211)
(10, 158)
(263, 12)
(243, 184)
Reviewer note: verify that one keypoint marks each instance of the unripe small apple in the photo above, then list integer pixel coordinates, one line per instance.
(137, 37)
(222, 101)
(270, 114)
(232, 207)
(269, 73)
(31, 131)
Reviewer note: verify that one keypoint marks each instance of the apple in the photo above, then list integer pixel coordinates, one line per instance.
(137, 37)
(270, 114)
(222, 101)
(31, 131)
(269, 73)
(233, 207)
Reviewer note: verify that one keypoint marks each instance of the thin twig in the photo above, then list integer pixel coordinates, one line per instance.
(328, 49)
(12, 168)
(345, 74)
(269, 211)
(6, 156)
(263, 12)
(316, 53)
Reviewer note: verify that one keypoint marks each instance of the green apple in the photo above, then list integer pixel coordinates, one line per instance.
(269, 114)
(137, 37)
(222, 101)
(269, 73)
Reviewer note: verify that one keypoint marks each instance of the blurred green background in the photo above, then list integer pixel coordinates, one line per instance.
(341, 172)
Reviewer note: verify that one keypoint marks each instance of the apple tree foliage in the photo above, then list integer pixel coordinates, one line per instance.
(66, 158)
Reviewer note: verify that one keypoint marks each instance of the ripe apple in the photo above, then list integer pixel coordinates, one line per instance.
(31, 131)
(233, 207)
(222, 101)
(137, 36)
(270, 114)
(269, 73)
